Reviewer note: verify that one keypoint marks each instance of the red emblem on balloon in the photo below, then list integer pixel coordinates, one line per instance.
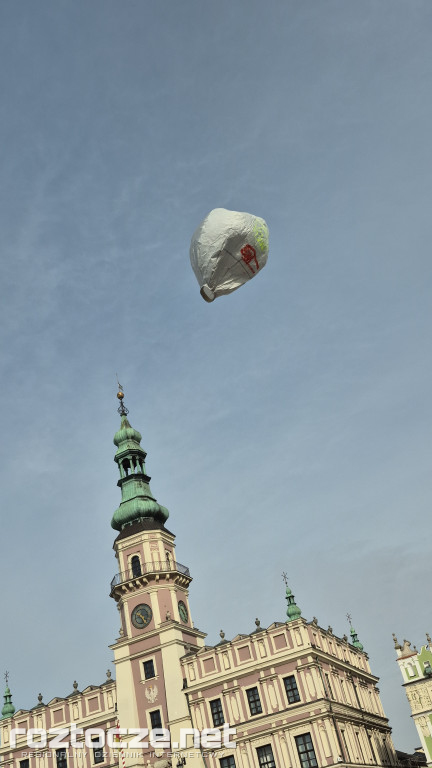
(248, 256)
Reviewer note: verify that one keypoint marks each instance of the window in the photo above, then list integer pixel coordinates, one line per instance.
(98, 755)
(329, 688)
(346, 746)
(155, 719)
(61, 758)
(136, 566)
(265, 757)
(254, 700)
(410, 670)
(24, 763)
(374, 757)
(292, 691)
(360, 746)
(217, 712)
(227, 762)
(386, 752)
(343, 690)
(149, 670)
(306, 751)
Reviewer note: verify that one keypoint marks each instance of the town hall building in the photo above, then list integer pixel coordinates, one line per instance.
(297, 695)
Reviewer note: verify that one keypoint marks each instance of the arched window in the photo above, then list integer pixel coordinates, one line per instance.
(136, 566)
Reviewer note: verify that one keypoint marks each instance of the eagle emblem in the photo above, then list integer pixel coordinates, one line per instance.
(151, 694)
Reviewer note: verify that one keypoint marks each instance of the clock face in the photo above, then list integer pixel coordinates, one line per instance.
(183, 611)
(141, 616)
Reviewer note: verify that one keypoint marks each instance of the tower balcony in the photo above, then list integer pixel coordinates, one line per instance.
(129, 580)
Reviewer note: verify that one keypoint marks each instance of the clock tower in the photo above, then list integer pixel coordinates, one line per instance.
(151, 592)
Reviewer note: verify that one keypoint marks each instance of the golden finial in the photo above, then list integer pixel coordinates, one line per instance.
(123, 411)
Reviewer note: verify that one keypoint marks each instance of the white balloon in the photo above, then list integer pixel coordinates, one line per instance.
(228, 249)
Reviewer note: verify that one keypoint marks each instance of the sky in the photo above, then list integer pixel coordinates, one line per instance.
(288, 425)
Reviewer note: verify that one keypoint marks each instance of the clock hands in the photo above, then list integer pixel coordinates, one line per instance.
(141, 616)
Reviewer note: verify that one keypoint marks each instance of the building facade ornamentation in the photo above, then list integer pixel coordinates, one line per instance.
(298, 695)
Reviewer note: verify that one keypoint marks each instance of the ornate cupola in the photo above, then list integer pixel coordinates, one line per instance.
(293, 611)
(8, 707)
(137, 503)
(354, 637)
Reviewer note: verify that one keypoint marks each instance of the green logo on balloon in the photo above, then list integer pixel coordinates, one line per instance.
(261, 235)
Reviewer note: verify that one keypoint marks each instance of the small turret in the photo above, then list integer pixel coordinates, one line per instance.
(293, 611)
(354, 638)
(8, 707)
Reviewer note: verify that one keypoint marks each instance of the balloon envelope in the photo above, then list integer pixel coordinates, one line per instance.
(228, 249)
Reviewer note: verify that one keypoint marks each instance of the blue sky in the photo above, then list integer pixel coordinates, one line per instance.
(287, 425)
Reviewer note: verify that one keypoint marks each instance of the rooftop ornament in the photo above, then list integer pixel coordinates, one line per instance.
(8, 707)
(354, 638)
(123, 411)
(293, 611)
(397, 645)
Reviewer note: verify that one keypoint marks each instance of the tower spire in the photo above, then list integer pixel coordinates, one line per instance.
(293, 611)
(123, 411)
(8, 708)
(137, 502)
(354, 638)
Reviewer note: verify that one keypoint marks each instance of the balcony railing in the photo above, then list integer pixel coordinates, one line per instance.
(147, 568)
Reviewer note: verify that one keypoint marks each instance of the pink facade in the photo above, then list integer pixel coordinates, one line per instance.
(298, 696)
(94, 707)
(333, 695)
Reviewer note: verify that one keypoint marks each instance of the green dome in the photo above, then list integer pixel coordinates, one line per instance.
(293, 611)
(139, 508)
(8, 708)
(127, 437)
(355, 641)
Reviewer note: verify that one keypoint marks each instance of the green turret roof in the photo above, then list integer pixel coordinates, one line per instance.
(8, 708)
(293, 611)
(127, 437)
(355, 641)
(137, 502)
